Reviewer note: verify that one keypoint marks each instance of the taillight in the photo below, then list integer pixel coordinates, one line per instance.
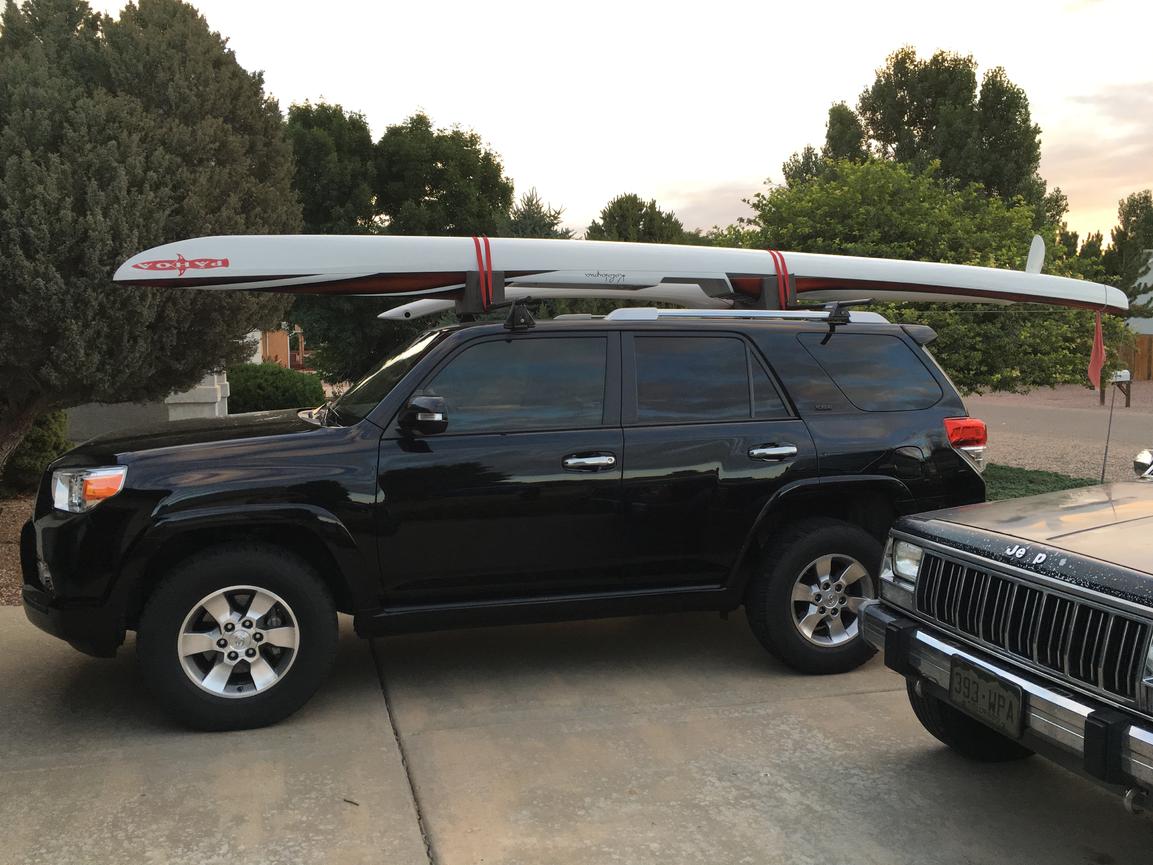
(969, 436)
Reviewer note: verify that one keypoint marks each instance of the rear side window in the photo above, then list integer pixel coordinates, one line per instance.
(524, 384)
(876, 372)
(689, 379)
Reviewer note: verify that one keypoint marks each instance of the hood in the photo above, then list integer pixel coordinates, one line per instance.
(187, 432)
(1112, 522)
(1099, 538)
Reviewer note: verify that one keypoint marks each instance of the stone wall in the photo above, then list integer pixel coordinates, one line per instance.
(208, 399)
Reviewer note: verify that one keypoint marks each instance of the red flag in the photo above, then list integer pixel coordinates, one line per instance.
(1097, 356)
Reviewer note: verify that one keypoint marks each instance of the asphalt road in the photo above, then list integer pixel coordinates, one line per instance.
(658, 740)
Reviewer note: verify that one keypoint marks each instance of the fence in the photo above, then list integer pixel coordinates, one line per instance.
(1140, 360)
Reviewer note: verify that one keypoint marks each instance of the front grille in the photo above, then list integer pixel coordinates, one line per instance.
(1099, 648)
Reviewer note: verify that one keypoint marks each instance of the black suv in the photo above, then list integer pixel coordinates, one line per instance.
(647, 461)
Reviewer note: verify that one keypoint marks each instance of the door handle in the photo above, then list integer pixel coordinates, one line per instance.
(773, 453)
(589, 462)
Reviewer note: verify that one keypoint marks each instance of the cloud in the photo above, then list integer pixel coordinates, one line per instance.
(714, 205)
(1107, 156)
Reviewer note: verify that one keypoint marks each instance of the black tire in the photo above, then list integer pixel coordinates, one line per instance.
(266, 568)
(769, 605)
(965, 735)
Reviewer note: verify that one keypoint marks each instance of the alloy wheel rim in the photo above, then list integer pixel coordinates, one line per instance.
(238, 642)
(826, 599)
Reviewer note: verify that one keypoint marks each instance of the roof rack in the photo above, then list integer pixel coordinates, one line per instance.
(840, 316)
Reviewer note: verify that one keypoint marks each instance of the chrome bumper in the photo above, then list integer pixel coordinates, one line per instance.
(1091, 737)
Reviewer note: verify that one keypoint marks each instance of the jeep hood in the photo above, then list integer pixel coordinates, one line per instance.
(1112, 522)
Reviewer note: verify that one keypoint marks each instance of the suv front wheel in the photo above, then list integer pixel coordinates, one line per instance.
(237, 637)
(803, 603)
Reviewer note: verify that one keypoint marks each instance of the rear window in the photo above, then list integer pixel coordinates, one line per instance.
(875, 372)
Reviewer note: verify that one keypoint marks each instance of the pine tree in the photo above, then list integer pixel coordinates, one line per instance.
(118, 135)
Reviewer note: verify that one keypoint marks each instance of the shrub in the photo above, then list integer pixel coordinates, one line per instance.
(46, 440)
(264, 386)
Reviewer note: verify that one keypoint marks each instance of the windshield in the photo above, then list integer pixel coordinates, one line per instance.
(363, 397)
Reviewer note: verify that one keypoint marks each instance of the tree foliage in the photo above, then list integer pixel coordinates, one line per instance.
(1128, 258)
(631, 218)
(924, 112)
(531, 217)
(885, 209)
(439, 181)
(422, 180)
(335, 168)
(266, 386)
(117, 135)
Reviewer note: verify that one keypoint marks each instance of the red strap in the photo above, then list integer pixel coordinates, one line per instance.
(484, 270)
(488, 271)
(782, 277)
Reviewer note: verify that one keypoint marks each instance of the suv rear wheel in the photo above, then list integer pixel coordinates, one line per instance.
(237, 637)
(803, 603)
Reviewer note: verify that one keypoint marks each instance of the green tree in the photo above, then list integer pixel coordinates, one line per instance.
(1128, 258)
(885, 209)
(531, 217)
(920, 112)
(439, 181)
(335, 168)
(117, 135)
(844, 135)
(629, 217)
(424, 181)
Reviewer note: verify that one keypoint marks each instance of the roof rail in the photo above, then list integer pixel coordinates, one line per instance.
(651, 313)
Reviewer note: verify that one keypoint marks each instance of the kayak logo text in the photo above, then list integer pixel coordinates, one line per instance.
(181, 264)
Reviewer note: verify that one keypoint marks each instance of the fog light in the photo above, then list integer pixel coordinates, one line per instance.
(907, 560)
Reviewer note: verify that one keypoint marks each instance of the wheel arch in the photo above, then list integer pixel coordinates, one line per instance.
(870, 502)
(313, 535)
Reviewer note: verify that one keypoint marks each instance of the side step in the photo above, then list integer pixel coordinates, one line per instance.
(404, 619)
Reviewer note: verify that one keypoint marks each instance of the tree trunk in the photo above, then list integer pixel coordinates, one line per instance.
(14, 425)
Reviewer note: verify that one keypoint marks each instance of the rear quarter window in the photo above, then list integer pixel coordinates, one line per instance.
(876, 372)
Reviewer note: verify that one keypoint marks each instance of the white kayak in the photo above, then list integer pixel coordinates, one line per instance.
(442, 271)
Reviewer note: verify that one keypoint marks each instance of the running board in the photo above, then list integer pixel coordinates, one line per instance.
(412, 618)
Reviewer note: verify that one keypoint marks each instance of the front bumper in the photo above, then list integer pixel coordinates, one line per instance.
(1108, 744)
(92, 630)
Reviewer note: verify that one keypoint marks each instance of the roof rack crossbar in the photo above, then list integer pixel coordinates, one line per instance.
(649, 313)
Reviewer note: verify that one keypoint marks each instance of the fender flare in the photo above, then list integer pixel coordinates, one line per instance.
(324, 526)
(889, 486)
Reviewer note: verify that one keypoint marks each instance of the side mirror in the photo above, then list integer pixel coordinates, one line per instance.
(1143, 464)
(426, 415)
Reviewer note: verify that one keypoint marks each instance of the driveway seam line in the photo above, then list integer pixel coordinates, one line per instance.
(420, 823)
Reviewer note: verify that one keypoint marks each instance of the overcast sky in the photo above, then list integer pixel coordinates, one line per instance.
(697, 104)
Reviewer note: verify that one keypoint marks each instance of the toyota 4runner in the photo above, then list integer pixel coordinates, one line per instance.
(646, 461)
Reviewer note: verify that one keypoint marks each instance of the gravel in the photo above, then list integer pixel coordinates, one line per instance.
(13, 514)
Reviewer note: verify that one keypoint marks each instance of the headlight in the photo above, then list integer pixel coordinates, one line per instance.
(79, 490)
(907, 560)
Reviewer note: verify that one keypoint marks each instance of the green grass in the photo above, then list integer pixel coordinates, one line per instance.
(1007, 482)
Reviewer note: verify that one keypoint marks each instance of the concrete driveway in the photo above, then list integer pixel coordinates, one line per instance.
(664, 740)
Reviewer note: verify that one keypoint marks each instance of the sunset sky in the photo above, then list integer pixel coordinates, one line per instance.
(698, 104)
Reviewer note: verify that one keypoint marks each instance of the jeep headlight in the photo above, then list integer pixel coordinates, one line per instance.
(899, 569)
(79, 490)
(907, 560)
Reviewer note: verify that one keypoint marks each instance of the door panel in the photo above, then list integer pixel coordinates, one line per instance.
(709, 439)
(521, 495)
(488, 515)
(692, 494)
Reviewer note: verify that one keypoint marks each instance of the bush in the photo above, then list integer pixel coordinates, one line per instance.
(46, 440)
(264, 386)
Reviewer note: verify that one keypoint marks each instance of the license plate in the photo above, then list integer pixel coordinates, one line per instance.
(987, 698)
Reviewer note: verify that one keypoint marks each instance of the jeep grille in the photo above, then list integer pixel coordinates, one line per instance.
(1049, 630)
